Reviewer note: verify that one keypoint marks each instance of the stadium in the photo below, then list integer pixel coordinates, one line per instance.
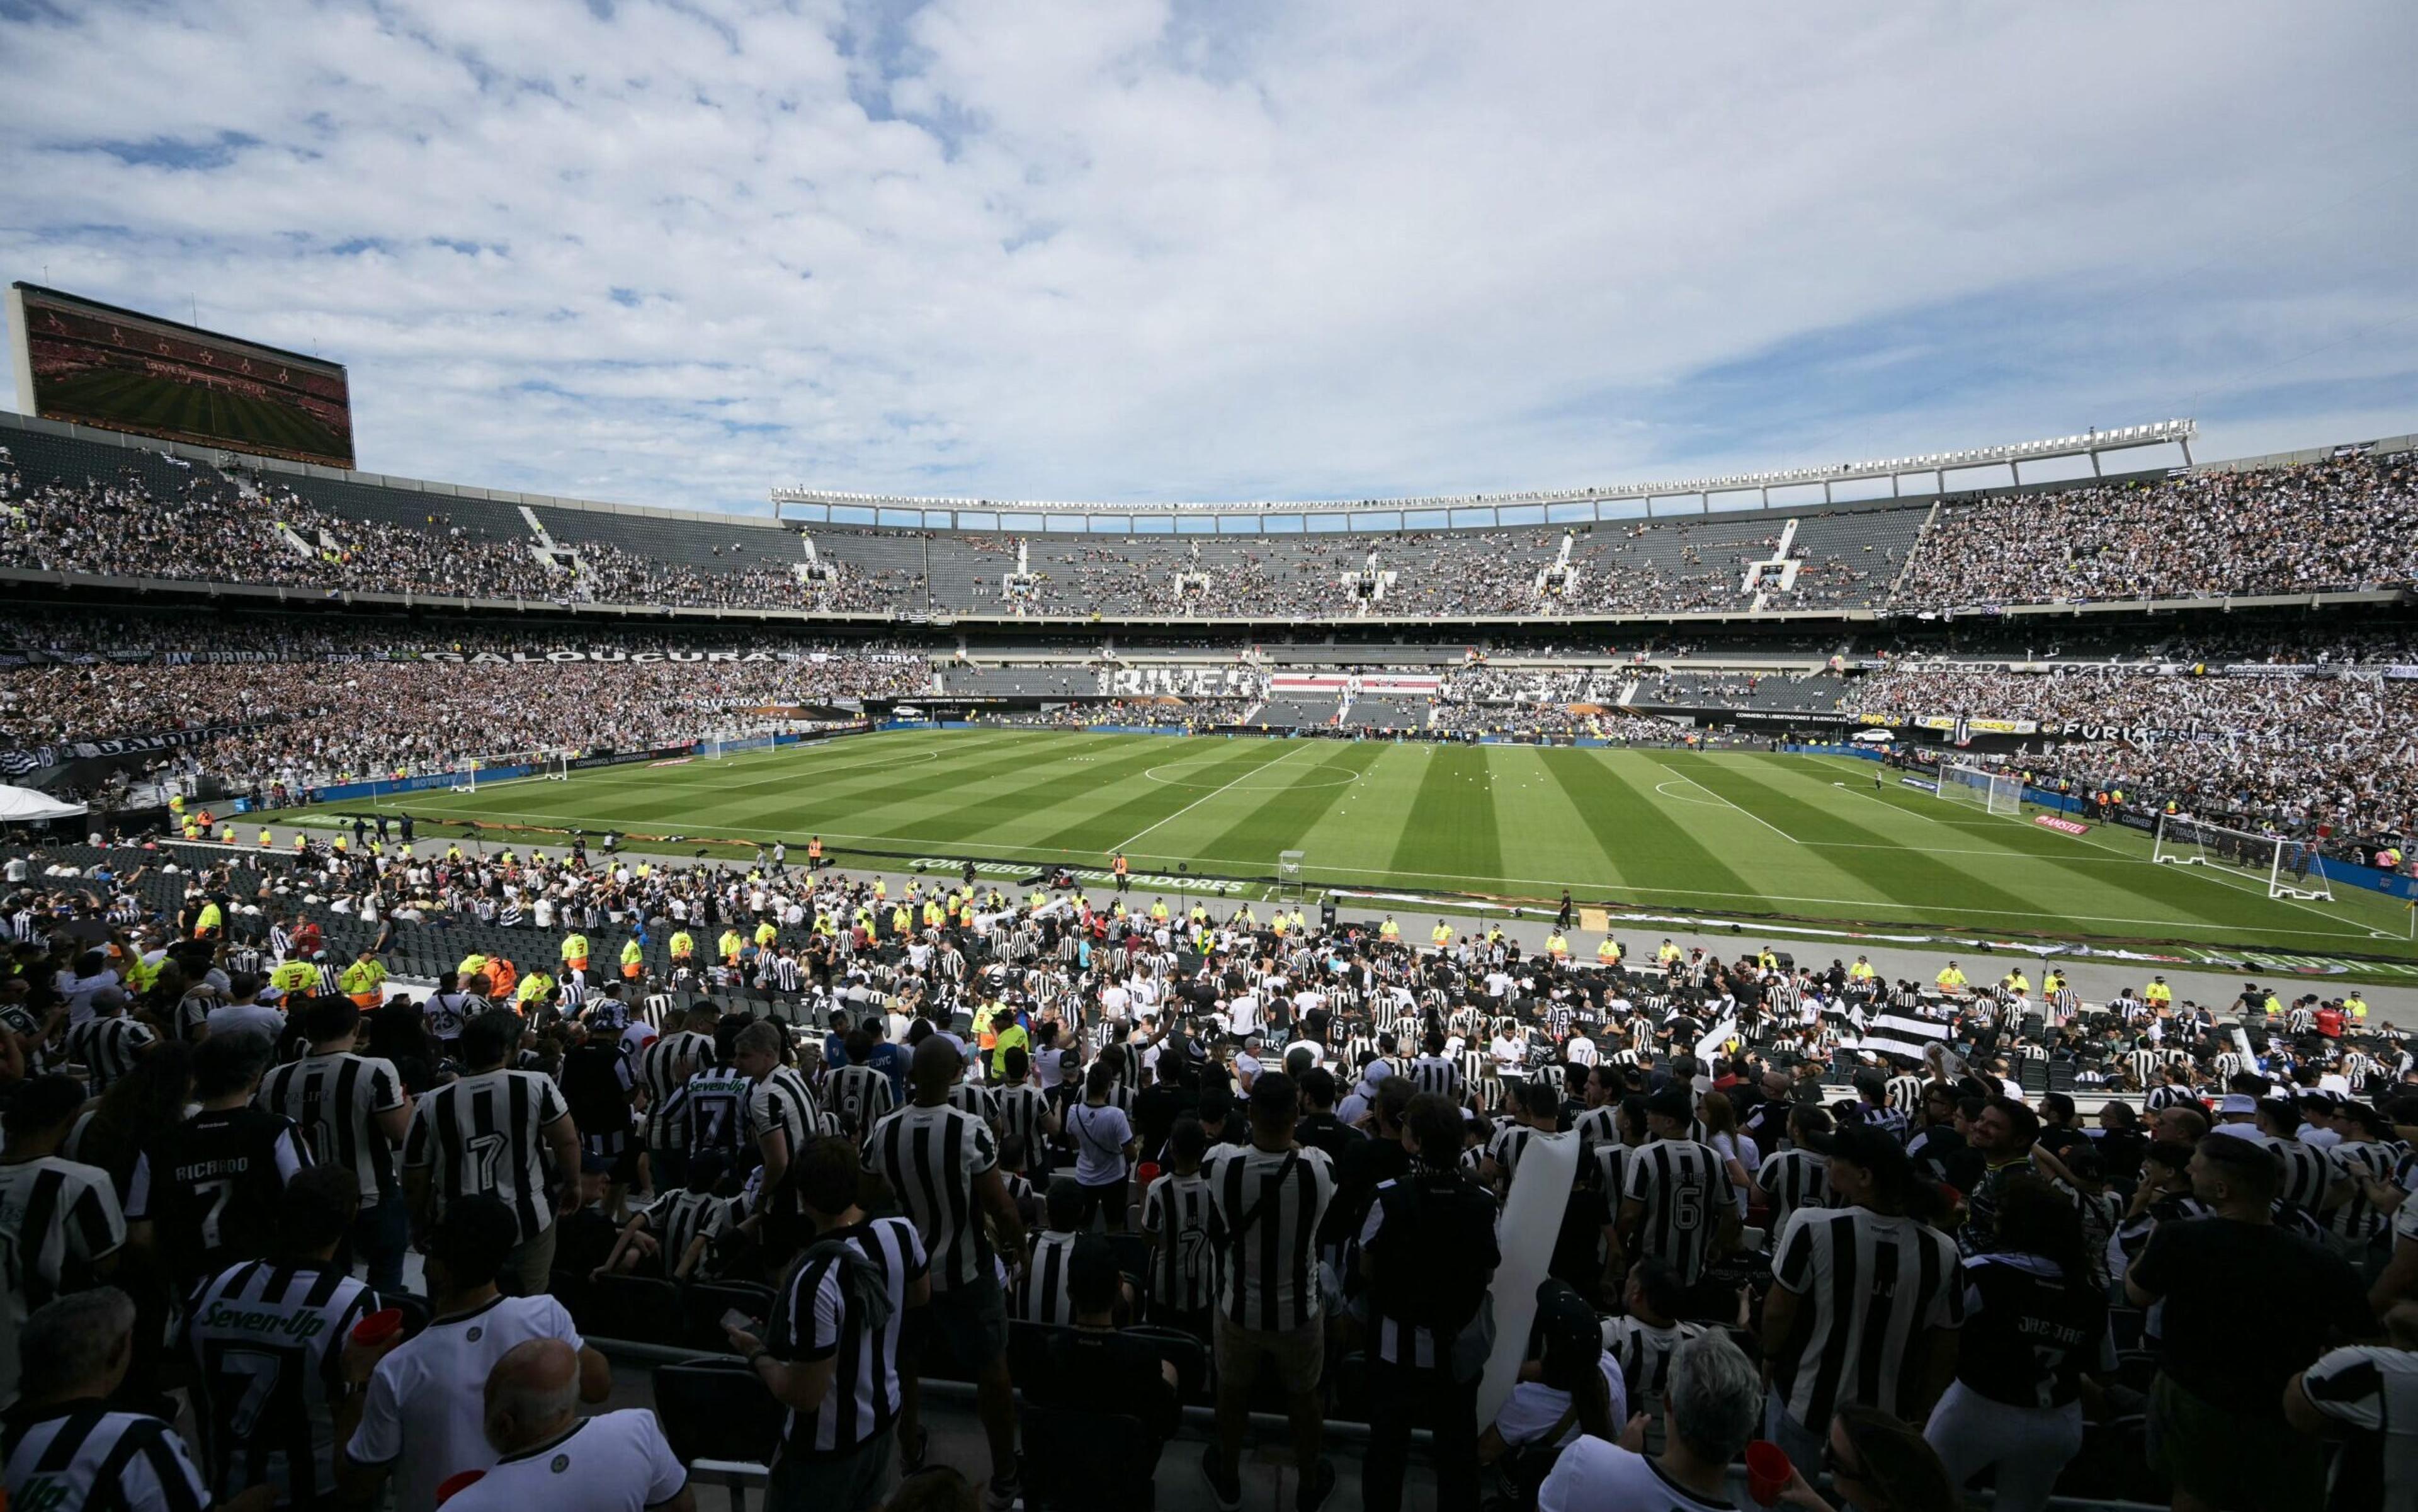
(1350, 971)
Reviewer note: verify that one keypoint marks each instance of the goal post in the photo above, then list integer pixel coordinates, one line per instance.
(1996, 792)
(2288, 868)
(513, 766)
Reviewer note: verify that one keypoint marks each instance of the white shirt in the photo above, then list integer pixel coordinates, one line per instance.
(1592, 1475)
(1534, 1408)
(245, 1018)
(426, 1407)
(614, 1462)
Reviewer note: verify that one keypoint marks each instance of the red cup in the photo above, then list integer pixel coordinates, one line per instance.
(378, 1327)
(1768, 1471)
(459, 1481)
(1146, 1172)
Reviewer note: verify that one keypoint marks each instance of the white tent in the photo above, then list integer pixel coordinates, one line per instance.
(24, 805)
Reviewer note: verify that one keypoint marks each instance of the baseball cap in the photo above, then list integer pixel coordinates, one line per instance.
(1672, 1102)
(2238, 1104)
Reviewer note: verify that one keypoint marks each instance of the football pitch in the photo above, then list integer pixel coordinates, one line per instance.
(1723, 834)
(161, 406)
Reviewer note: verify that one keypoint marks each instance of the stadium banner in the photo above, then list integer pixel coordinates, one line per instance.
(1177, 682)
(1884, 720)
(1425, 684)
(1919, 784)
(32, 758)
(1979, 727)
(2050, 822)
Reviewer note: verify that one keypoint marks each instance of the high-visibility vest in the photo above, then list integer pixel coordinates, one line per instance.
(208, 921)
(267, 840)
(1950, 977)
(360, 981)
(294, 976)
(471, 965)
(1390, 930)
(2159, 993)
(1441, 934)
(1607, 951)
(730, 944)
(684, 944)
(631, 954)
(575, 950)
(1556, 946)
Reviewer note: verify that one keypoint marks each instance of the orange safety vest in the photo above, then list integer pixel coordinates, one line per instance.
(502, 976)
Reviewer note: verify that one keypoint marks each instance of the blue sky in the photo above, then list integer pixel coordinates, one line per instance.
(680, 252)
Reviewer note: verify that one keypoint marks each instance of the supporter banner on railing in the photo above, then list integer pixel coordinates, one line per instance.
(31, 759)
(1177, 682)
(1980, 726)
(1372, 683)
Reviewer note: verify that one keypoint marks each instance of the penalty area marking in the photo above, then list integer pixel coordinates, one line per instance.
(1664, 789)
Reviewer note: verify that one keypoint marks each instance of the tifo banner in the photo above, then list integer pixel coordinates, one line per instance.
(35, 757)
(1369, 682)
(1980, 726)
(1178, 682)
(2051, 821)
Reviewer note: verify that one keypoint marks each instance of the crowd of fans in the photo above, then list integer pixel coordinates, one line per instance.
(2333, 525)
(940, 1098)
(2297, 753)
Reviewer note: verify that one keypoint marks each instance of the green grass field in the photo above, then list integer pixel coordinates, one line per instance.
(1729, 834)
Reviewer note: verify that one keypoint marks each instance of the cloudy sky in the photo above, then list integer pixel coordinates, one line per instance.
(677, 251)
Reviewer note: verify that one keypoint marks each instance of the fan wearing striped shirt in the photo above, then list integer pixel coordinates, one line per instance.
(1041, 1295)
(832, 1353)
(60, 1224)
(781, 1113)
(1864, 1299)
(353, 1113)
(1649, 1331)
(278, 1385)
(67, 1450)
(1797, 1175)
(1675, 1193)
(679, 1230)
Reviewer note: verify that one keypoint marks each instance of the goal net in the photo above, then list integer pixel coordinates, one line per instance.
(2290, 868)
(722, 744)
(513, 766)
(1999, 793)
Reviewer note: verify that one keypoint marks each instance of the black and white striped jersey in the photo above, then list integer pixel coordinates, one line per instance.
(860, 1095)
(1041, 1294)
(824, 1318)
(447, 1011)
(1504, 1149)
(64, 1220)
(974, 1099)
(1791, 1179)
(680, 1217)
(714, 1116)
(2307, 1174)
(662, 1074)
(1645, 1353)
(335, 1100)
(1437, 1074)
(2358, 1218)
(1184, 1262)
(933, 1157)
(1872, 1285)
(107, 1048)
(481, 1135)
(211, 1187)
(84, 1455)
(783, 1102)
(1264, 1210)
(266, 1342)
(1682, 1189)
(1021, 1110)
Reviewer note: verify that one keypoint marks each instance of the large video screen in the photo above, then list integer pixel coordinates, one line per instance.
(93, 364)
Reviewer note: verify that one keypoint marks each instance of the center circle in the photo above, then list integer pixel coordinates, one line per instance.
(1244, 785)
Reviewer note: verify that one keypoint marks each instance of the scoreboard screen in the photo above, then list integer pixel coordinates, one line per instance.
(89, 363)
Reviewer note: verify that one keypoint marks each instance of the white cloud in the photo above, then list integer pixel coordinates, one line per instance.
(1116, 248)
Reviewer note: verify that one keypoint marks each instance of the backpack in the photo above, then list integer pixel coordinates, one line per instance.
(1436, 1252)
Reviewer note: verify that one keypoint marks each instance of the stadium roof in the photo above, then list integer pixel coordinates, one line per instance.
(2090, 444)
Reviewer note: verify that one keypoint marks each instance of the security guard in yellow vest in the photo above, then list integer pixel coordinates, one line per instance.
(2017, 982)
(207, 923)
(575, 951)
(1298, 922)
(766, 933)
(683, 946)
(360, 981)
(1441, 934)
(1557, 947)
(2157, 994)
(2356, 1006)
(901, 921)
(1158, 910)
(534, 989)
(729, 945)
(634, 960)
(1861, 972)
(1607, 952)
(267, 840)
(293, 977)
(1667, 954)
(1950, 979)
(1389, 931)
